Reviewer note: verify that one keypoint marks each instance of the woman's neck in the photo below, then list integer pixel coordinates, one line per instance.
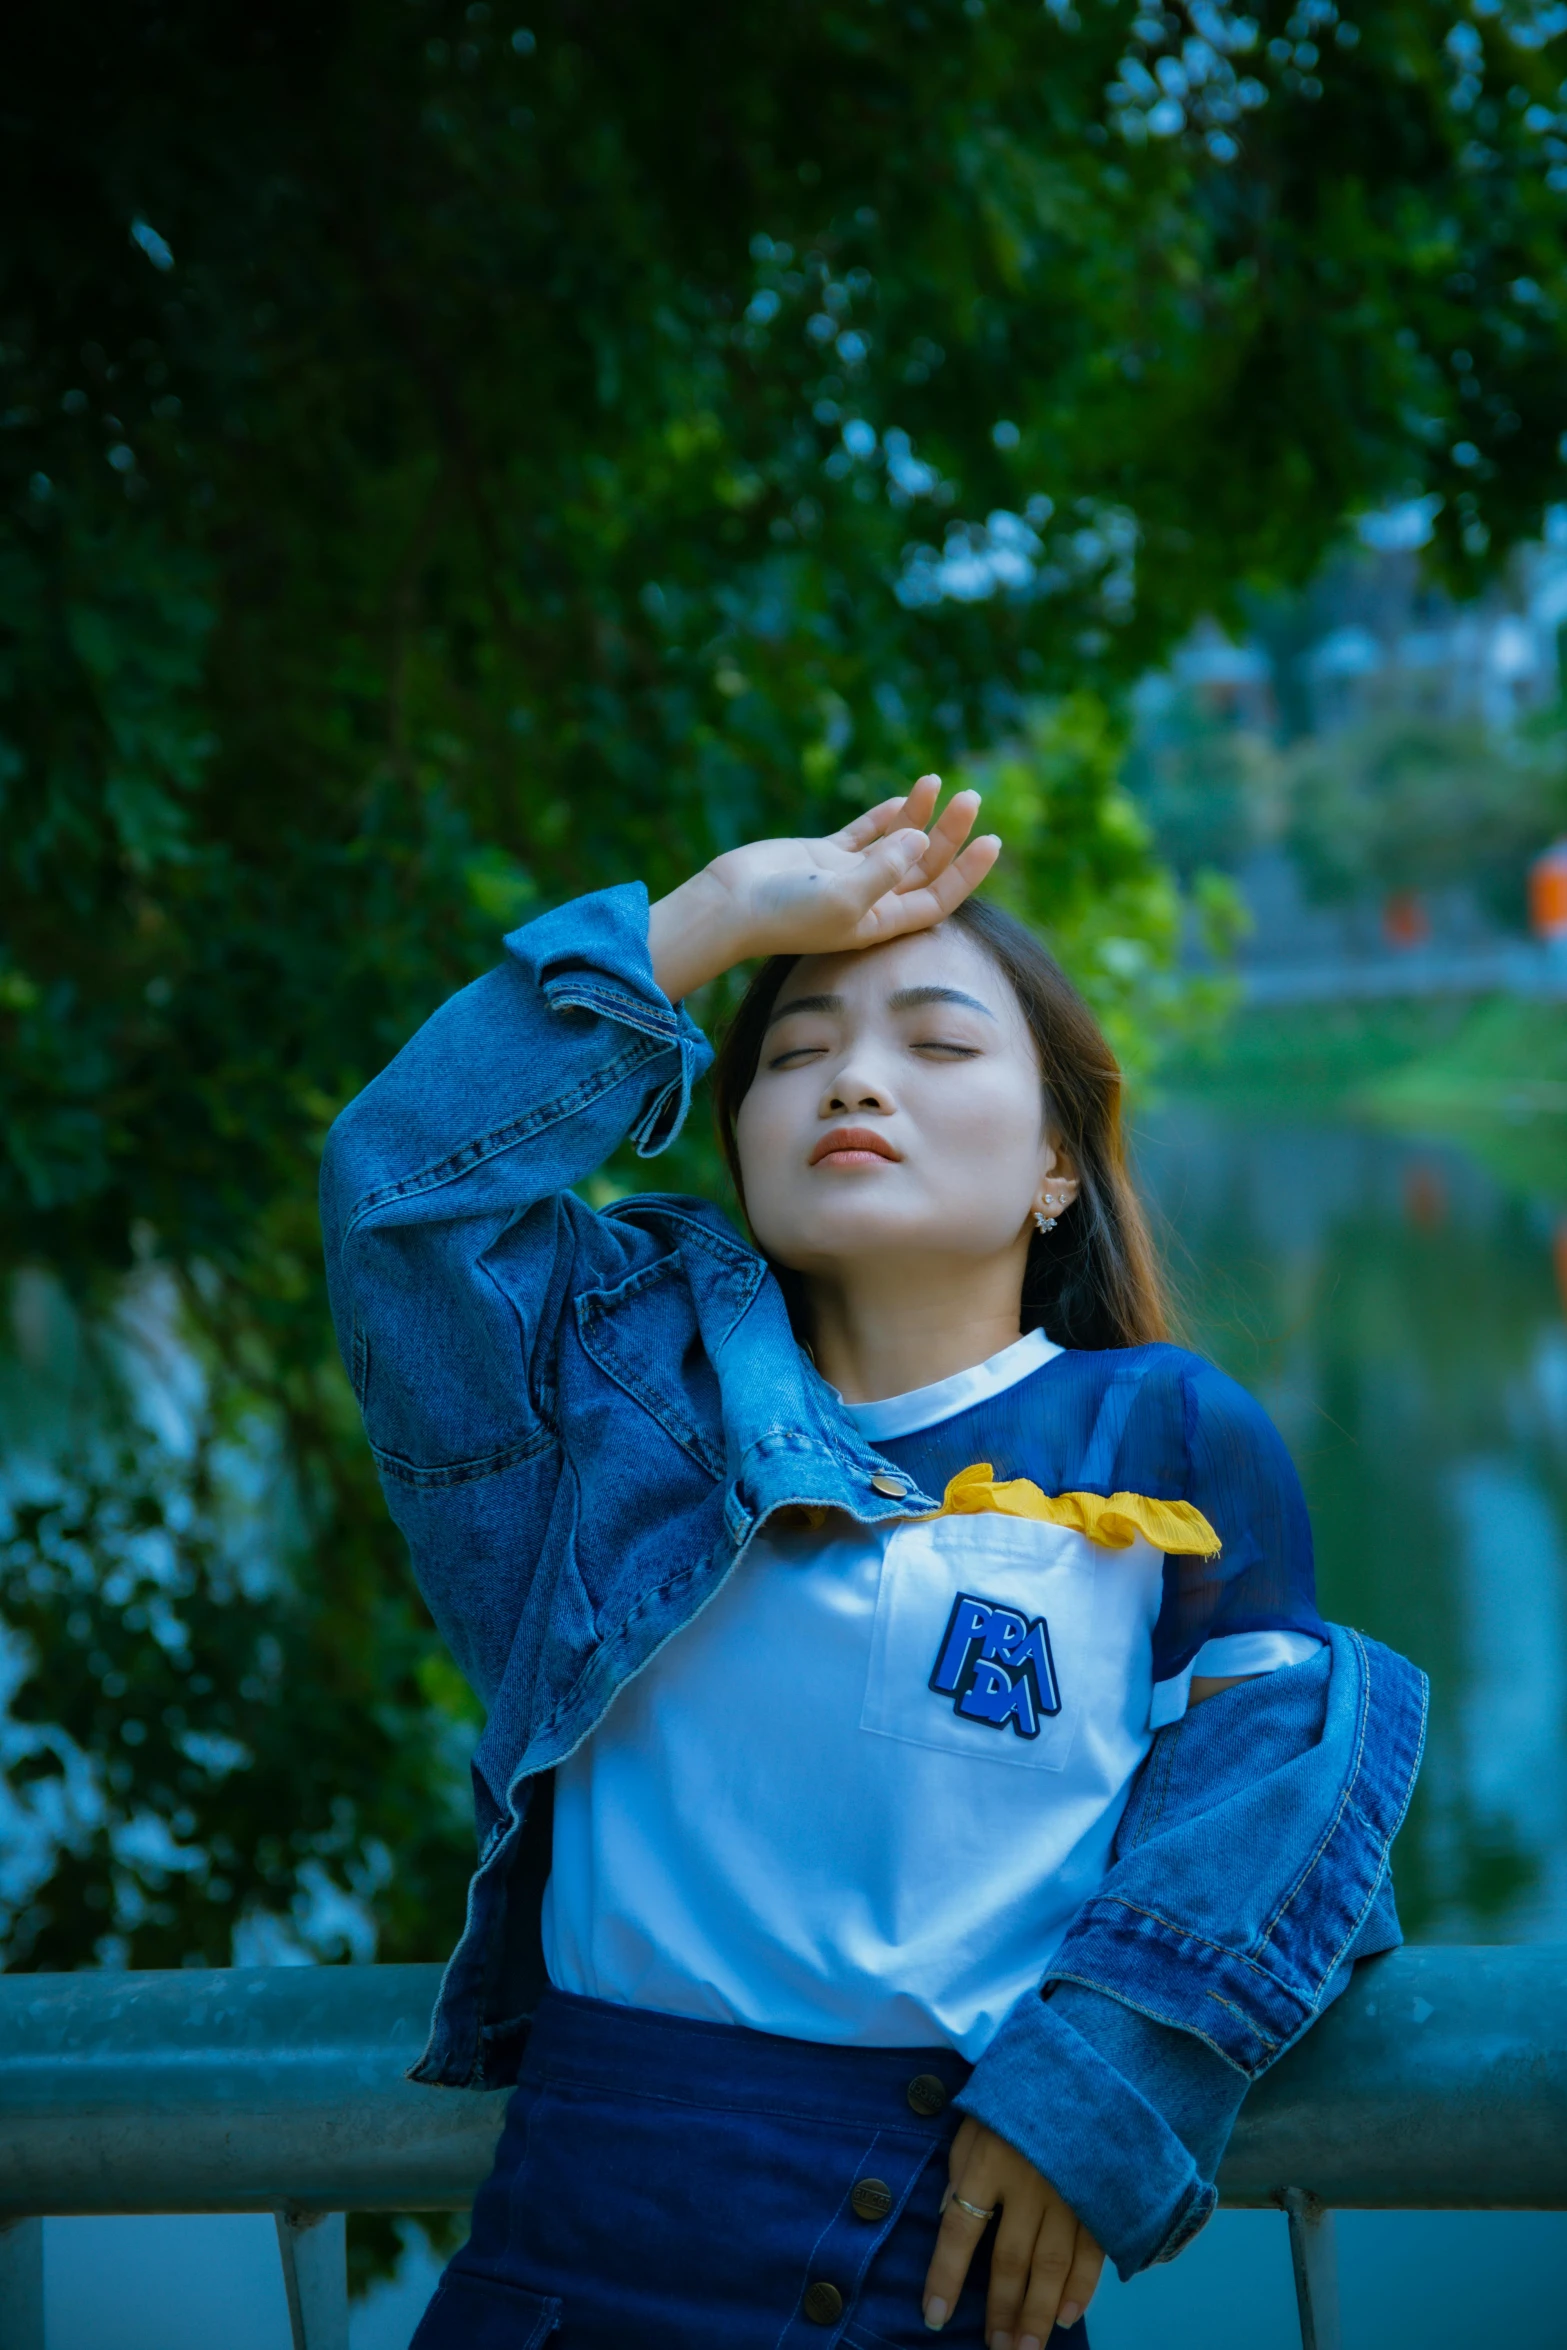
(881, 1327)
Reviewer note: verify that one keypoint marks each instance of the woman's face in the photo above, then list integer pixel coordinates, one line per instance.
(897, 1109)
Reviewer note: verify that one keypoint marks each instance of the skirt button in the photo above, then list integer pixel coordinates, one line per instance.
(893, 1487)
(871, 2199)
(823, 2303)
(926, 2094)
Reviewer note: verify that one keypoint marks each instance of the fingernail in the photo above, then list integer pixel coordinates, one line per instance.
(1069, 2313)
(1029, 2342)
(936, 2317)
(1001, 2342)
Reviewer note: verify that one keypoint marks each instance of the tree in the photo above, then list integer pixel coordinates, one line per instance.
(1406, 801)
(449, 463)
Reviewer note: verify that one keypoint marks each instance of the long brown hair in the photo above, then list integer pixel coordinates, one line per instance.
(1094, 1281)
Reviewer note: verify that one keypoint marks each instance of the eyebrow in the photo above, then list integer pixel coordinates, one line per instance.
(910, 999)
(907, 999)
(805, 1003)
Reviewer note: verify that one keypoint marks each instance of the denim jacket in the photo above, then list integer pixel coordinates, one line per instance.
(580, 1420)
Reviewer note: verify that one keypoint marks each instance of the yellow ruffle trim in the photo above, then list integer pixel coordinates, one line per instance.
(1115, 1523)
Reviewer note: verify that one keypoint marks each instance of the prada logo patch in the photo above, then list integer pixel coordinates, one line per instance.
(996, 1666)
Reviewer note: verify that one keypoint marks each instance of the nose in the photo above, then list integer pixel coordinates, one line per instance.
(851, 1091)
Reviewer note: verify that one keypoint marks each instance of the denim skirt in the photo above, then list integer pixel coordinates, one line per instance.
(692, 2186)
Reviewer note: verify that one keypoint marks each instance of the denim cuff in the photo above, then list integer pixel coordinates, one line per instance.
(1104, 2148)
(592, 956)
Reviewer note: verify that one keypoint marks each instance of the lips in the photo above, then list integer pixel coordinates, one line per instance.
(852, 1146)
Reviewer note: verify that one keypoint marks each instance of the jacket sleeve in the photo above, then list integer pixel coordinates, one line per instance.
(514, 1090)
(1250, 1872)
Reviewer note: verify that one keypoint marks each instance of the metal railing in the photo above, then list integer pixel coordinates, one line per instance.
(1438, 2082)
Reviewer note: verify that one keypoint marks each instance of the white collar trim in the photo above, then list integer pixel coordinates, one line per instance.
(926, 1407)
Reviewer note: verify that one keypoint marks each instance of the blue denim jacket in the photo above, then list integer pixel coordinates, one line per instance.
(580, 1419)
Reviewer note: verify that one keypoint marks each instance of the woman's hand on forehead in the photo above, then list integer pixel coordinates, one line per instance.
(888, 873)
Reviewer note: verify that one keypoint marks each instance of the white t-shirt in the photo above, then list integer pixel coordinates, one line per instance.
(822, 1811)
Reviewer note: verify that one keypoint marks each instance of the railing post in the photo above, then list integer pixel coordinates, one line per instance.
(1314, 2253)
(314, 2246)
(22, 2284)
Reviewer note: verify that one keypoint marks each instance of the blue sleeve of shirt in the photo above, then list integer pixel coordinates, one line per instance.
(1238, 1472)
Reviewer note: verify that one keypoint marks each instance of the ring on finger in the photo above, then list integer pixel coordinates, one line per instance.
(974, 2210)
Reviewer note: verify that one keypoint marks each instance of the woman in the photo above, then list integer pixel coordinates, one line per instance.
(918, 1792)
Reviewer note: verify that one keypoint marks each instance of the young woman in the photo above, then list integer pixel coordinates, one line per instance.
(918, 1791)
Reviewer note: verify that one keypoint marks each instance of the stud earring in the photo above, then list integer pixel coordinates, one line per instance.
(1053, 1199)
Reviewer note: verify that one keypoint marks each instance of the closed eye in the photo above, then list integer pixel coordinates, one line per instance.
(944, 1047)
(794, 1053)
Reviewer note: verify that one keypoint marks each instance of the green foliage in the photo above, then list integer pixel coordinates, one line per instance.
(222, 1748)
(1312, 1060)
(1498, 1084)
(197, 1731)
(1208, 788)
(1403, 801)
(1489, 1075)
(449, 465)
(1080, 868)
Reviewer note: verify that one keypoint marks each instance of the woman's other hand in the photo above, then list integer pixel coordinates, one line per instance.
(880, 877)
(1044, 2266)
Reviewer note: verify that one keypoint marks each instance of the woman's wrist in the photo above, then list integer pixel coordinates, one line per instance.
(694, 934)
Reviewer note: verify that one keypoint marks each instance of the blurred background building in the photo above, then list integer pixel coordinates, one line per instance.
(1375, 767)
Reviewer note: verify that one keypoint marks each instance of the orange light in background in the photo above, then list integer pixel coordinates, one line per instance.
(1405, 922)
(1548, 892)
(1425, 1196)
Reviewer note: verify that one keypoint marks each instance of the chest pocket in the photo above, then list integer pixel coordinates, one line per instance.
(646, 1337)
(657, 1333)
(984, 1642)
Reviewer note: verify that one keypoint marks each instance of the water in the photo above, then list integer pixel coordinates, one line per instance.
(1399, 1310)
(1396, 1307)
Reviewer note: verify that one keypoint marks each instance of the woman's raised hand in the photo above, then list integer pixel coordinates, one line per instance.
(880, 877)
(1044, 2265)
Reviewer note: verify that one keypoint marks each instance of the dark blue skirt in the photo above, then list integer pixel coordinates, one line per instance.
(691, 2186)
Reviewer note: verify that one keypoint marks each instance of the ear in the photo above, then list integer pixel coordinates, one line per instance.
(1058, 1183)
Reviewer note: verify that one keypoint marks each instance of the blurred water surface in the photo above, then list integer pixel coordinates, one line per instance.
(1396, 1307)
